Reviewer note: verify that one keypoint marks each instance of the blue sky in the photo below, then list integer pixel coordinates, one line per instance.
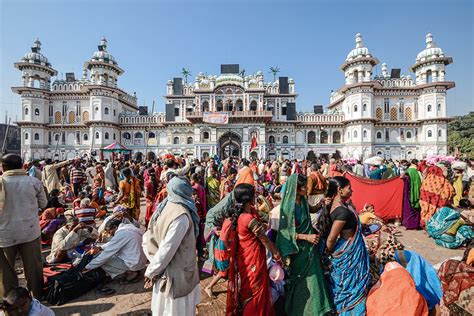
(307, 40)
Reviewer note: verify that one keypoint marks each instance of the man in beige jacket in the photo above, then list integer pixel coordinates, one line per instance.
(50, 174)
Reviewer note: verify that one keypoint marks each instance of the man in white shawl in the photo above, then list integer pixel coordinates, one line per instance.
(170, 246)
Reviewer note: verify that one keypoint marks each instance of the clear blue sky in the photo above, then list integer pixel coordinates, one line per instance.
(308, 40)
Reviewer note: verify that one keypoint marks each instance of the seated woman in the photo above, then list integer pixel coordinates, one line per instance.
(123, 254)
(449, 229)
(53, 199)
(349, 260)
(50, 221)
(68, 195)
(248, 289)
(457, 279)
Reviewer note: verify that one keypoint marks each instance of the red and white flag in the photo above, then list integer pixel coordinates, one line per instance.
(254, 143)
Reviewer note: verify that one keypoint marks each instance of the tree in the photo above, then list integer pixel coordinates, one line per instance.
(186, 73)
(274, 71)
(461, 135)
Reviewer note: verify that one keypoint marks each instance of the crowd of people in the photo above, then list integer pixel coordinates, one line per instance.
(283, 234)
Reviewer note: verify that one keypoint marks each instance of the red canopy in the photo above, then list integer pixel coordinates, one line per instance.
(116, 147)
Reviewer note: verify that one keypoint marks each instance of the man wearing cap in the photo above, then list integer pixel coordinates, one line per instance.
(20, 198)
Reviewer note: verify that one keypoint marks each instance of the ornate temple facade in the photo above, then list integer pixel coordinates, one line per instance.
(232, 113)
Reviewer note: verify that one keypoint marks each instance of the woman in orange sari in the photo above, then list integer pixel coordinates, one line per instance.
(129, 195)
(248, 289)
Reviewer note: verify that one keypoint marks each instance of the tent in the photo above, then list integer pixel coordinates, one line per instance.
(114, 148)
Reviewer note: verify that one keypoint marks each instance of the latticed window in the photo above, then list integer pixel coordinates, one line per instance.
(393, 114)
(57, 117)
(72, 117)
(85, 116)
(408, 114)
(378, 113)
(311, 137)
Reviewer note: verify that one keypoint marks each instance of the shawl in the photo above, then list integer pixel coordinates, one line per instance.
(456, 277)
(435, 192)
(286, 241)
(179, 192)
(3, 193)
(442, 221)
(415, 185)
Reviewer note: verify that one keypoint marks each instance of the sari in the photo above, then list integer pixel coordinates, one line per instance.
(150, 200)
(248, 289)
(415, 185)
(426, 281)
(349, 275)
(448, 229)
(131, 191)
(458, 190)
(395, 294)
(435, 192)
(213, 193)
(457, 279)
(306, 292)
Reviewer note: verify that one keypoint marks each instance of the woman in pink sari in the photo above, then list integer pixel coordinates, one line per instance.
(248, 289)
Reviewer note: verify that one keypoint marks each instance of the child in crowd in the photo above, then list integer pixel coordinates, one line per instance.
(68, 195)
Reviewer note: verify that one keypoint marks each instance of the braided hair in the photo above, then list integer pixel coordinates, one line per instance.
(244, 193)
(324, 221)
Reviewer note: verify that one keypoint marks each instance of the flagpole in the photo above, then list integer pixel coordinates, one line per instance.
(147, 136)
(6, 136)
(61, 130)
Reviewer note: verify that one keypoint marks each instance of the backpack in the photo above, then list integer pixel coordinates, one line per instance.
(72, 283)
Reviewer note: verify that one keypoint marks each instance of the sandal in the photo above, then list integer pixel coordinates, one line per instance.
(135, 279)
(106, 291)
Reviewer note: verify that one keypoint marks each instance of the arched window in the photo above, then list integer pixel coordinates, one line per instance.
(253, 105)
(106, 111)
(429, 76)
(26, 136)
(176, 140)
(57, 117)
(408, 134)
(355, 107)
(379, 153)
(126, 135)
(439, 107)
(37, 136)
(219, 106)
(355, 134)
(106, 135)
(72, 117)
(97, 109)
(440, 132)
(271, 139)
(356, 76)
(97, 135)
(85, 137)
(408, 114)
(430, 133)
(311, 137)
(365, 133)
(393, 114)
(205, 136)
(239, 106)
(115, 112)
(151, 135)
(336, 137)
(56, 137)
(364, 107)
(37, 112)
(428, 108)
(285, 139)
(115, 137)
(205, 106)
(27, 111)
(190, 140)
(85, 116)
(379, 135)
(378, 113)
(138, 135)
(323, 137)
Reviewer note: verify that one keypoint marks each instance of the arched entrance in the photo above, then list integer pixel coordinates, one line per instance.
(230, 145)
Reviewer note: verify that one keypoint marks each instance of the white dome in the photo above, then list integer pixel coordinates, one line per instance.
(229, 77)
(431, 51)
(359, 50)
(102, 54)
(35, 56)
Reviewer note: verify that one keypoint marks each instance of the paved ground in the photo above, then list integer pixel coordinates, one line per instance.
(134, 300)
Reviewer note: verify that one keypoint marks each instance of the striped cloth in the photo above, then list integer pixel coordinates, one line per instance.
(85, 215)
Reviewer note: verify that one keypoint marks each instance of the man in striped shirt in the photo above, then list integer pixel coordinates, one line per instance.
(78, 177)
(85, 213)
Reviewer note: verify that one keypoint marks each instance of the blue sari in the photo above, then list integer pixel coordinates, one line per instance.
(441, 222)
(350, 274)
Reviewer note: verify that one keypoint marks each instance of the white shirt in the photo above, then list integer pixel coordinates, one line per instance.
(126, 245)
(19, 221)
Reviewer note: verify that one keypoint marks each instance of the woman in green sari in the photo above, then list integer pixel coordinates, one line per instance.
(306, 292)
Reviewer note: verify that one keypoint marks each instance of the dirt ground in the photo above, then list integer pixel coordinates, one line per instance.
(133, 299)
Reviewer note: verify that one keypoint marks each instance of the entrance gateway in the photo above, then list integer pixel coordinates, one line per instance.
(230, 145)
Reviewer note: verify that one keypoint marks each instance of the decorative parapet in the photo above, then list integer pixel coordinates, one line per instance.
(320, 118)
(134, 119)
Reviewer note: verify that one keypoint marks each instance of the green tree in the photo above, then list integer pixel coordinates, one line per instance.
(186, 73)
(274, 71)
(461, 135)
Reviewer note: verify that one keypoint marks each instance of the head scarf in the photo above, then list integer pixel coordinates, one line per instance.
(286, 241)
(180, 192)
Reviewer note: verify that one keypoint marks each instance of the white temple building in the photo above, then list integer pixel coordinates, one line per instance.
(391, 115)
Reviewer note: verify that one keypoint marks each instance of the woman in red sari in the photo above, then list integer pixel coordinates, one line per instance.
(151, 189)
(248, 289)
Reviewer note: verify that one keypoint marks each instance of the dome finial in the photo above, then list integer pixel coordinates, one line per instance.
(429, 40)
(37, 44)
(358, 39)
(103, 43)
